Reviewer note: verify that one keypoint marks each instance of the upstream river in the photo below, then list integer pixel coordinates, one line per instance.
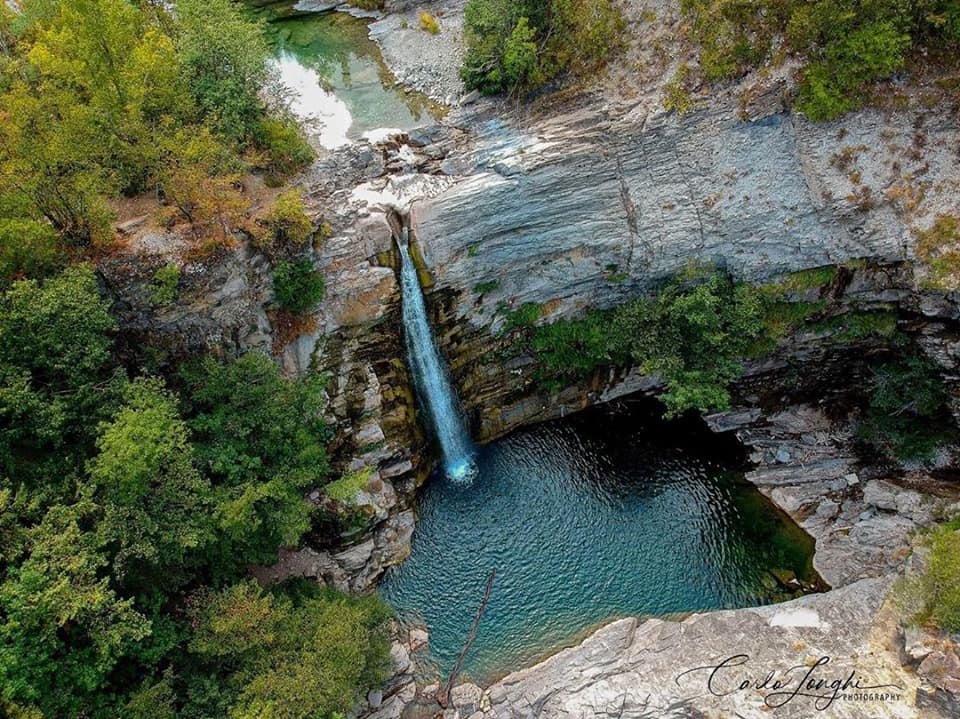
(338, 83)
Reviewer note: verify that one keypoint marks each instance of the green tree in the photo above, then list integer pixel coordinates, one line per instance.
(260, 438)
(157, 508)
(224, 57)
(906, 416)
(520, 62)
(64, 630)
(81, 114)
(692, 336)
(28, 250)
(57, 376)
(59, 331)
(297, 286)
(273, 646)
(518, 46)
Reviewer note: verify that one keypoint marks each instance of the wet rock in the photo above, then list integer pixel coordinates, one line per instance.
(466, 698)
(419, 638)
(399, 658)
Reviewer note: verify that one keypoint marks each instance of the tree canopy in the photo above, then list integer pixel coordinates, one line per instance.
(130, 508)
(106, 97)
(519, 46)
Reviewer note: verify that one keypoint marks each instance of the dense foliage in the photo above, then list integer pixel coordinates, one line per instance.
(106, 97)
(933, 595)
(695, 333)
(297, 286)
(844, 45)
(286, 227)
(516, 46)
(690, 335)
(130, 508)
(906, 416)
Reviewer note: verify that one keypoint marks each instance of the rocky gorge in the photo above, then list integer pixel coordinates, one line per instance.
(583, 205)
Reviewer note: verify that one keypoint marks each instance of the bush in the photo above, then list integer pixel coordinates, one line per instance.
(574, 348)
(933, 597)
(942, 578)
(287, 225)
(691, 336)
(906, 416)
(524, 316)
(285, 148)
(429, 23)
(519, 46)
(844, 49)
(28, 249)
(349, 485)
(166, 282)
(297, 287)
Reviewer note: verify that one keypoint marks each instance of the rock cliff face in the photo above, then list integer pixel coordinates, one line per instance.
(225, 306)
(588, 206)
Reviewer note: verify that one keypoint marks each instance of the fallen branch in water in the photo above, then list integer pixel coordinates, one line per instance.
(444, 696)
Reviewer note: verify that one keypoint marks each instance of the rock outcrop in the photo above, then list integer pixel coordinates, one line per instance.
(427, 62)
(656, 668)
(592, 205)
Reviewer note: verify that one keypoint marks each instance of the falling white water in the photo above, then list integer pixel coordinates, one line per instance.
(430, 375)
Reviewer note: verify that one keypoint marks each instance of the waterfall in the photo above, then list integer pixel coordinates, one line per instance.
(430, 375)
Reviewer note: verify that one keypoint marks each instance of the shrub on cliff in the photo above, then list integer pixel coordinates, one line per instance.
(843, 46)
(906, 417)
(519, 46)
(933, 595)
(297, 287)
(286, 225)
(691, 335)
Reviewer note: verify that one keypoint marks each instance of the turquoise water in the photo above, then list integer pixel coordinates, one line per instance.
(339, 83)
(586, 519)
